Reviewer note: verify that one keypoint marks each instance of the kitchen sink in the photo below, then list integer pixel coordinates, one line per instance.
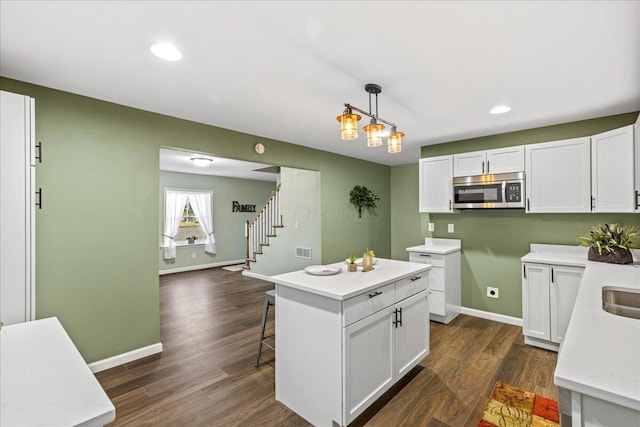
(621, 301)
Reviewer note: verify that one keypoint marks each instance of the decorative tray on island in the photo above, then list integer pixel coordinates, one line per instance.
(322, 270)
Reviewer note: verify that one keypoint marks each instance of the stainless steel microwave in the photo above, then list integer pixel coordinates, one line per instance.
(490, 191)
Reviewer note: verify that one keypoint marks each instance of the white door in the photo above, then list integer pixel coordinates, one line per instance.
(436, 184)
(535, 301)
(558, 176)
(467, 164)
(565, 282)
(17, 261)
(506, 160)
(612, 171)
(369, 361)
(411, 332)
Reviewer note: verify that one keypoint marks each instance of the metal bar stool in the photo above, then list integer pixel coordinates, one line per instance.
(269, 300)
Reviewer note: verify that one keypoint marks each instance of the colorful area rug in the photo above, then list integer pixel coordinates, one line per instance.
(512, 407)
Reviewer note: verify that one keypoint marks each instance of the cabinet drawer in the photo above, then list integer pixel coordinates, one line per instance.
(437, 303)
(412, 285)
(433, 259)
(436, 279)
(363, 305)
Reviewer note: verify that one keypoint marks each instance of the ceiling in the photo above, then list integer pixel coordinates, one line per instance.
(283, 70)
(180, 161)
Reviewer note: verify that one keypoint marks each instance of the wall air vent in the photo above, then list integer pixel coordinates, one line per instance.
(303, 253)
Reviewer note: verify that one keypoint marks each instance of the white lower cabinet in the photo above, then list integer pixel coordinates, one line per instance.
(548, 295)
(382, 348)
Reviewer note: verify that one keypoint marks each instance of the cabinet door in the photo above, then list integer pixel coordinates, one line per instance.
(558, 176)
(535, 301)
(612, 171)
(637, 150)
(436, 184)
(411, 332)
(369, 361)
(467, 164)
(565, 282)
(505, 160)
(17, 260)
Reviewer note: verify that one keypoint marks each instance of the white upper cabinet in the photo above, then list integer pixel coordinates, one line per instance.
(499, 160)
(436, 188)
(612, 171)
(558, 176)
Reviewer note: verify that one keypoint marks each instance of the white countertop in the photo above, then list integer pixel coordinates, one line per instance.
(600, 354)
(573, 256)
(437, 246)
(347, 284)
(45, 381)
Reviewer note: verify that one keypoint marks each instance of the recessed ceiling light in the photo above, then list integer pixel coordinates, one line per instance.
(166, 51)
(201, 161)
(500, 109)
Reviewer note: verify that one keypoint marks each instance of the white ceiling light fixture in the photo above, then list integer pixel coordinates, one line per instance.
(166, 51)
(500, 109)
(349, 124)
(201, 161)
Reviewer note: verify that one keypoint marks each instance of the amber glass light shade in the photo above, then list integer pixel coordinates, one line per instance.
(395, 142)
(348, 126)
(374, 134)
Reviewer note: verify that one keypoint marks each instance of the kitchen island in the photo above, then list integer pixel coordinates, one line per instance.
(598, 368)
(345, 339)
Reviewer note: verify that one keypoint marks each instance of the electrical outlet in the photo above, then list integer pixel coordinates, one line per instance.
(493, 292)
(450, 228)
(432, 227)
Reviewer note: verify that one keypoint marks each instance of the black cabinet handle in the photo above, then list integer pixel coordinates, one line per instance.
(449, 204)
(552, 275)
(524, 271)
(39, 202)
(413, 279)
(400, 320)
(637, 199)
(395, 318)
(487, 166)
(39, 147)
(483, 167)
(425, 255)
(375, 294)
(528, 205)
(593, 203)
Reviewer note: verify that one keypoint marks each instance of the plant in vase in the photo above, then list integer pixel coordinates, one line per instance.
(611, 243)
(191, 239)
(352, 266)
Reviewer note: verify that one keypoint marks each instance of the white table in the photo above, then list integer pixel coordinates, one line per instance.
(44, 381)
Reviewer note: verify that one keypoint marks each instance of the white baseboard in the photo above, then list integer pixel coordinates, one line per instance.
(256, 275)
(491, 316)
(201, 266)
(121, 359)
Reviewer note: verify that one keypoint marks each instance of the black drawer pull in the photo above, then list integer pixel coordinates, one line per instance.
(39, 156)
(413, 279)
(427, 255)
(375, 294)
(39, 202)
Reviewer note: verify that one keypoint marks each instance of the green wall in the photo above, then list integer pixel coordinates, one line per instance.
(405, 220)
(493, 241)
(228, 226)
(97, 234)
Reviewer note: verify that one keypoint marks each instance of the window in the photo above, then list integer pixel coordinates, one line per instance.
(187, 213)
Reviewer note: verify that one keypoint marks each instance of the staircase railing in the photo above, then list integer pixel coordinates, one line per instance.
(262, 226)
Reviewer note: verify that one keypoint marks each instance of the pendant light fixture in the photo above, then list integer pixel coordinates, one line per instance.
(349, 124)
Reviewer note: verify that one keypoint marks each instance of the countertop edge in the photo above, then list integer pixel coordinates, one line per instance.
(433, 250)
(597, 393)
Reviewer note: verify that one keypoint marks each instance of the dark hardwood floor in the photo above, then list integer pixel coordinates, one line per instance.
(210, 323)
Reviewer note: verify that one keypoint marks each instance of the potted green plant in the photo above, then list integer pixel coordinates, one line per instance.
(362, 197)
(192, 239)
(352, 266)
(610, 243)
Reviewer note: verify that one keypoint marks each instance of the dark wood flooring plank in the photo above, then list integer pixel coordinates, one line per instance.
(210, 322)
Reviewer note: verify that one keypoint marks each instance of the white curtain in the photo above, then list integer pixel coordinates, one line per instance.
(202, 208)
(174, 204)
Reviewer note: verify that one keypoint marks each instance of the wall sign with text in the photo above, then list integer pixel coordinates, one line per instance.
(237, 207)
